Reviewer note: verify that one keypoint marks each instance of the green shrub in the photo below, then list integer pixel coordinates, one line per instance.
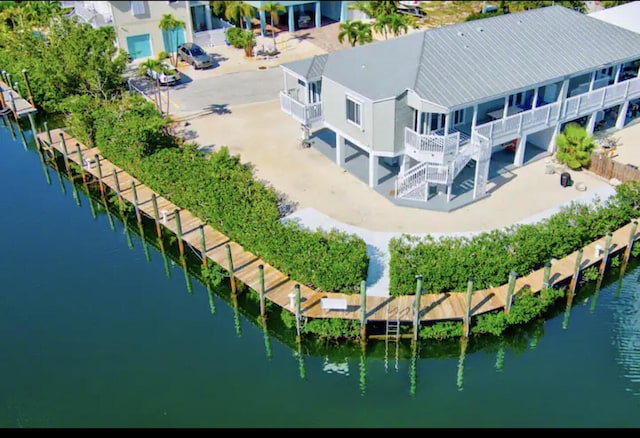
(235, 37)
(446, 264)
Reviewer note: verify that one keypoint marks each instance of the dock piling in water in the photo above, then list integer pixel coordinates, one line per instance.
(416, 307)
(576, 273)
(176, 214)
(232, 279)
(510, 289)
(65, 152)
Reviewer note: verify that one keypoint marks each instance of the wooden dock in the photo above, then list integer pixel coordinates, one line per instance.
(12, 101)
(279, 288)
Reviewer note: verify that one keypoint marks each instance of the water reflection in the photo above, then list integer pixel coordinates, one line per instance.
(626, 311)
(626, 331)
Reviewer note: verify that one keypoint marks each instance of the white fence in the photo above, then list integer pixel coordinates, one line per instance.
(213, 37)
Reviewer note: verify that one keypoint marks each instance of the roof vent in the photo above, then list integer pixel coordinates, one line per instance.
(519, 21)
(460, 33)
(480, 29)
(466, 46)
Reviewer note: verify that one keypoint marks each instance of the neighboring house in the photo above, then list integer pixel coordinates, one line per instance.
(318, 11)
(438, 113)
(136, 23)
(626, 15)
(95, 13)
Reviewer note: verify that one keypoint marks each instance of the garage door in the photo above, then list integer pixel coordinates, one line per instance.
(139, 46)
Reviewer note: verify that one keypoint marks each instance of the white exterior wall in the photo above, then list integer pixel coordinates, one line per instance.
(334, 101)
(384, 118)
(127, 24)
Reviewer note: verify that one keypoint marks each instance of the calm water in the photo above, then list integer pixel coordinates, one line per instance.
(95, 334)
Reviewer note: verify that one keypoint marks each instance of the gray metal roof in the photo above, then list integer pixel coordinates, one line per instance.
(310, 67)
(477, 60)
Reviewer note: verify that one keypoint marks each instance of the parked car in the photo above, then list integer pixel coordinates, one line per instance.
(169, 75)
(304, 21)
(194, 55)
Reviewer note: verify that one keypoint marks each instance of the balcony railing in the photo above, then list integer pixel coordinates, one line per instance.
(430, 147)
(548, 115)
(305, 114)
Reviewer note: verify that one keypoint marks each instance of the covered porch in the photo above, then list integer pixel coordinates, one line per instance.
(357, 163)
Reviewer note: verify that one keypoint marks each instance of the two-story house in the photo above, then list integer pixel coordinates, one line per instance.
(432, 116)
(317, 11)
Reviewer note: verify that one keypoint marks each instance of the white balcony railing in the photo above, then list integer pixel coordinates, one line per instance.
(548, 115)
(430, 147)
(305, 114)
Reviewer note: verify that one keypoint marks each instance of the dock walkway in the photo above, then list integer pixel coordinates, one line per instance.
(10, 99)
(279, 288)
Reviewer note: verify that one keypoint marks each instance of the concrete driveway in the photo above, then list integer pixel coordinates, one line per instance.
(234, 79)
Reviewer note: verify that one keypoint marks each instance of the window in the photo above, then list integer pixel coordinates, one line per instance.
(516, 99)
(354, 112)
(437, 121)
(137, 8)
(458, 117)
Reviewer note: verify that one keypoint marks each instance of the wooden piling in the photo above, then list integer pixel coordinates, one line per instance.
(176, 214)
(232, 279)
(261, 290)
(467, 313)
(363, 310)
(156, 215)
(65, 153)
(46, 129)
(117, 184)
(632, 239)
(510, 289)
(82, 172)
(546, 275)
(3, 103)
(416, 307)
(298, 311)
(203, 243)
(576, 272)
(26, 82)
(605, 256)
(14, 109)
(135, 202)
(32, 124)
(99, 168)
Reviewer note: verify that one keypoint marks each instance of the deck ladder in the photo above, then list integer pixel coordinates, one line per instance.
(392, 331)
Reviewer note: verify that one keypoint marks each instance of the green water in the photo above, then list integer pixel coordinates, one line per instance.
(94, 333)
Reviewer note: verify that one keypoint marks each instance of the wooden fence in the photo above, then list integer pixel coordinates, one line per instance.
(608, 168)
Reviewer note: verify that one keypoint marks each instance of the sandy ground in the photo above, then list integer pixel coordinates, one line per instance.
(266, 137)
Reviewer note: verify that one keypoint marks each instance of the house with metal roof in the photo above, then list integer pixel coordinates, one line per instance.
(429, 118)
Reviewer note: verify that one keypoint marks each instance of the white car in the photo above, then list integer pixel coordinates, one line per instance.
(169, 75)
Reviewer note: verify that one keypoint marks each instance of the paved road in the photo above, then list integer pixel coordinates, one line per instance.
(216, 94)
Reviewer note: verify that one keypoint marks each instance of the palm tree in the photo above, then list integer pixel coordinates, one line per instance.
(235, 11)
(156, 66)
(218, 7)
(169, 23)
(273, 9)
(374, 8)
(574, 146)
(398, 24)
(355, 32)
